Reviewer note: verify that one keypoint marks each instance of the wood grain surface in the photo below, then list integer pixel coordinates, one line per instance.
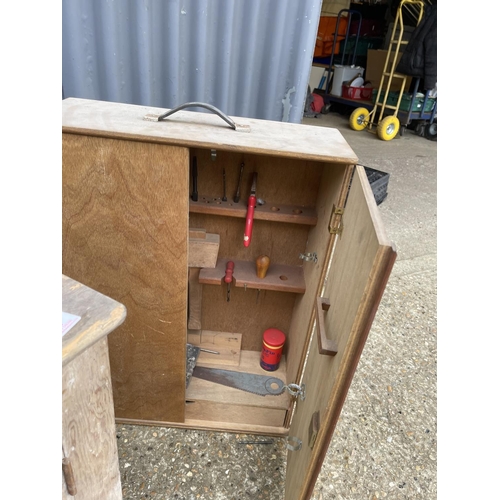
(99, 315)
(205, 130)
(88, 425)
(125, 234)
(361, 263)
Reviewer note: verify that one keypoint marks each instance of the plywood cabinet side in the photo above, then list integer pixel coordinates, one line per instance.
(125, 234)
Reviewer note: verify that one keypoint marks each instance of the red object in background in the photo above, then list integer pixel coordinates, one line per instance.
(357, 93)
(273, 341)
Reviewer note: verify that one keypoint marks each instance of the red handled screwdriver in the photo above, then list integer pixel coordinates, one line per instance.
(228, 278)
(252, 202)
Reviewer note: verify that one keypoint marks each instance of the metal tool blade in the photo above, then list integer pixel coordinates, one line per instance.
(262, 385)
(192, 353)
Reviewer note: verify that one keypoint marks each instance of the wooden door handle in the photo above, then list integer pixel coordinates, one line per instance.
(325, 345)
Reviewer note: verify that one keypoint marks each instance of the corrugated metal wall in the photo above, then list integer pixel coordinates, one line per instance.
(246, 57)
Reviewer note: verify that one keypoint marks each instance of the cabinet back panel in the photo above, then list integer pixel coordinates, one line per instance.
(281, 242)
(125, 235)
(243, 315)
(279, 180)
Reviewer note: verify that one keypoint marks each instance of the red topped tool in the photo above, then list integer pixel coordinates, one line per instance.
(228, 278)
(252, 202)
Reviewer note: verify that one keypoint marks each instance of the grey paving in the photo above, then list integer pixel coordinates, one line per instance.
(385, 444)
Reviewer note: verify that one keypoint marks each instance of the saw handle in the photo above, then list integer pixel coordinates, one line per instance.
(252, 202)
(229, 272)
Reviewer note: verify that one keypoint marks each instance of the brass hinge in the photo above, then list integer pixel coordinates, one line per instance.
(336, 225)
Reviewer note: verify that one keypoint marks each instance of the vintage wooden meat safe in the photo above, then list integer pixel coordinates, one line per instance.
(150, 220)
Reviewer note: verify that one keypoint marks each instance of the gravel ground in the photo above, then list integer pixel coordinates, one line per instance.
(385, 443)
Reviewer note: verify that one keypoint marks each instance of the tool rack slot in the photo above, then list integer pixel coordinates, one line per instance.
(279, 277)
(293, 214)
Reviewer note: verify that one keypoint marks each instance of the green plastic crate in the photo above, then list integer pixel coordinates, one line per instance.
(392, 99)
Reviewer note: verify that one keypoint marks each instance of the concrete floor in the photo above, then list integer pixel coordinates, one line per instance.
(385, 443)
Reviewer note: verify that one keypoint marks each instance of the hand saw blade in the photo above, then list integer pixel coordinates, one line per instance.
(262, 385)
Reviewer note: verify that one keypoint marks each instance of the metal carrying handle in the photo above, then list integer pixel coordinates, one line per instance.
(199, 105)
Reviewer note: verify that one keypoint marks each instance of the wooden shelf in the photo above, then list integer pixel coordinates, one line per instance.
(279, 278)
(293, 214)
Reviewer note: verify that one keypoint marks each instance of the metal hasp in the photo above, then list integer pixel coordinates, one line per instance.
(310, 256)
(262, 385)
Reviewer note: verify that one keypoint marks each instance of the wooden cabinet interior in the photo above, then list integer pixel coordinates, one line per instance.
(293, 208)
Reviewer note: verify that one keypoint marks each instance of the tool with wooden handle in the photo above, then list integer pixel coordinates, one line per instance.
(228, 278)
(224, 197)
(262, 265)
(252, 202)
(194, 197)
(237, 195)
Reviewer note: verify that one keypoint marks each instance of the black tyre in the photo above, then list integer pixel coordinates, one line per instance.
(431, 131)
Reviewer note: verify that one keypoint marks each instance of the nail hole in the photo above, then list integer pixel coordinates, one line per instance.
(297, 211)
(274, 386)
(283, 277)
(275, 209)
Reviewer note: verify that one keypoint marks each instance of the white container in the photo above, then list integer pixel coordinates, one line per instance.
(342, 74)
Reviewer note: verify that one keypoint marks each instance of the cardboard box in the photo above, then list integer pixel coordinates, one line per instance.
(375, 65)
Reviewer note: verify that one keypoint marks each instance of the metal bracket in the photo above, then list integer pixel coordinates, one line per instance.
(333, 227)
(296, 390)
(293, 447)
(309, 256)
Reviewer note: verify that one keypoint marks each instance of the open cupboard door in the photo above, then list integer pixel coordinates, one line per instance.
(361, 262)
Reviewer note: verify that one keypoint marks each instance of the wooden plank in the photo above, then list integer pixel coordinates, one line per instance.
(203, 390)
(235, 414)
(195, 291)
(205, 130)
(99, 315)
(278, 212)
(279, 278)
(125, 234)
(88, 425)
(203, 252)
(198, 233)
(204, 425)
(228, 345)
(359, 273)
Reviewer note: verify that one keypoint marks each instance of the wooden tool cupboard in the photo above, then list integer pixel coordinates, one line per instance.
(128, 214)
